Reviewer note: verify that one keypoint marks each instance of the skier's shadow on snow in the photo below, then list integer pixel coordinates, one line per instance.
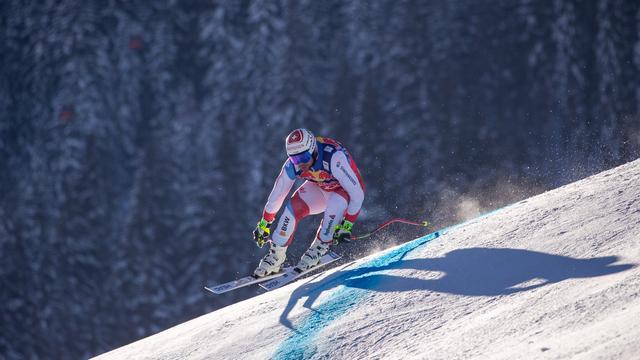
(468, 272)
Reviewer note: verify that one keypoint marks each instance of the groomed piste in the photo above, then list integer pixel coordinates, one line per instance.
(553, 276)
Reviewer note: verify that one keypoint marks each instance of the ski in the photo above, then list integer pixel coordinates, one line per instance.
(242, 282)
(290, 274)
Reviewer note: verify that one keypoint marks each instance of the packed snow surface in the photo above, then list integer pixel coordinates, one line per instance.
(553, 276)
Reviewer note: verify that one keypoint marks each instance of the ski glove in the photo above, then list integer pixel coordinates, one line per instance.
(261, 233)
(342, 232)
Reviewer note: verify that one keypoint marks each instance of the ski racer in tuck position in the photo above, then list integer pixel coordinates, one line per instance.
(333, 185)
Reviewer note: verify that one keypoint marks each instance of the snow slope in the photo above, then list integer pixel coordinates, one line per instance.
(554, 276)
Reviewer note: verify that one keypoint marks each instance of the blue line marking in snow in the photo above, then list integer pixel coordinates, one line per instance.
(301, 344)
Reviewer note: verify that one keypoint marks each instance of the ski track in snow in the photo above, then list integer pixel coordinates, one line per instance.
(552, 277)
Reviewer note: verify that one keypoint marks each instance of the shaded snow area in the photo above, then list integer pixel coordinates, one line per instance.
(554, 276)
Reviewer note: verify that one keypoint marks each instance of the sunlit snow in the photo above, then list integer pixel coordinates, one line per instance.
(554, 276)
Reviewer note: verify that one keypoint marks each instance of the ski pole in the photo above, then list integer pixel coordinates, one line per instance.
(382, 226)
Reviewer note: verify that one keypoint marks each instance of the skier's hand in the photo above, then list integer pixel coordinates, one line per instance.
(342, 232)
(261, 233)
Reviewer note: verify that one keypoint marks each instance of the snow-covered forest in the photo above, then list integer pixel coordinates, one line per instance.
(139, 140)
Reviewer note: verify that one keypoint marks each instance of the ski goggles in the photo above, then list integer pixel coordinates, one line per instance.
(302, 158)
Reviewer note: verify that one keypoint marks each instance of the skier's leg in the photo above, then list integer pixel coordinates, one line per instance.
(308, 199)
(337, 203)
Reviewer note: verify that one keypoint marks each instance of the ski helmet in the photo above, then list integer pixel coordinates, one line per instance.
(300, 144)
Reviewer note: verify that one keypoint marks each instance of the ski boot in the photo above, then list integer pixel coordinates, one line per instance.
(312, 256)
(272, 262)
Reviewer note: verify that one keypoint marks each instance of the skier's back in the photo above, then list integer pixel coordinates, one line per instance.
(333, 185)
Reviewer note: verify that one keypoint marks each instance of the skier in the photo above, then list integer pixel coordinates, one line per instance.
(333, 185)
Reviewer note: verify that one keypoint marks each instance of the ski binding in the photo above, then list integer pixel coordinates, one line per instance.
(291, 274)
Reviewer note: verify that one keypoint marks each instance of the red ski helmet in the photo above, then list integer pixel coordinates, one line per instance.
(300, 145)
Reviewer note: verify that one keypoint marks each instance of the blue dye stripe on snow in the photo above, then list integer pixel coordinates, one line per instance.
(301, 344)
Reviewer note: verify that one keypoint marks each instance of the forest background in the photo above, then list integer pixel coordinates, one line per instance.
(139, 140)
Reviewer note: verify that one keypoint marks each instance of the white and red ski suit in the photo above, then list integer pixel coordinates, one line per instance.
(333, 185)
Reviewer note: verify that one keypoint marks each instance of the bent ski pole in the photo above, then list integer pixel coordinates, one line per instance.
(382, 226)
